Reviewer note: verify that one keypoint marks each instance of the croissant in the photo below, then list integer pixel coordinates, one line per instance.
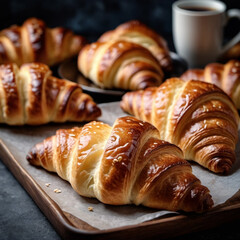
(35, 42)
(232, 53)
(119, 64)
(196, 116)
(226, 76)
(123, 164)
(30, 95)
(137, 32)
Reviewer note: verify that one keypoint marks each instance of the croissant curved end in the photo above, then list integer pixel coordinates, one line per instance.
(204, 198)
(222, 165)
(32, 157)
(94, 110)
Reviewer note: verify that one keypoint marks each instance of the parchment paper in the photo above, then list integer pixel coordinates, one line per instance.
(19, 141)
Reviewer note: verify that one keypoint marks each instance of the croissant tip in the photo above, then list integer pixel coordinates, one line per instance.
(223, 166)
(198, 200)
(94, 110)
(32, 156)
(207, 203)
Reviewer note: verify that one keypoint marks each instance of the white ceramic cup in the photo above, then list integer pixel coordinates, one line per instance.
(198, 34)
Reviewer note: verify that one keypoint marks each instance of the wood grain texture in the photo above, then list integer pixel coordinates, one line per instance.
(70, 227)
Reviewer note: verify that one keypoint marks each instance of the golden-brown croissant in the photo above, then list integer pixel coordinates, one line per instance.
(31, 95)
(35, 42)
(196, 116)
(137, 32)
(226, 76)
(123, 164)
(119, 64)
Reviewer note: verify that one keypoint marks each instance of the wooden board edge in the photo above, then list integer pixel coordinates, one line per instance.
(163, 227)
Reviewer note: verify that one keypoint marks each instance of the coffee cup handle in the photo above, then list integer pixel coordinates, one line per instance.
(232, 13)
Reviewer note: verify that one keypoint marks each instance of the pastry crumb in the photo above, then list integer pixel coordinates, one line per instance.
(90, 209)
(57, 190)
(47, 184)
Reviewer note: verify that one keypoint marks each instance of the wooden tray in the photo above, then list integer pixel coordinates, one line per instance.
(70, 227)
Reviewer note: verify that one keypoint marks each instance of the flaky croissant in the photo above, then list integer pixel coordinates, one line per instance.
(123, 164)
(137, 32)
(31, 95)
(119, 64)
(35, 42)
(226, 76)
(196, 116)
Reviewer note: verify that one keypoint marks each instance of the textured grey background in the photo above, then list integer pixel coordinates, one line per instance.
(92, 17)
